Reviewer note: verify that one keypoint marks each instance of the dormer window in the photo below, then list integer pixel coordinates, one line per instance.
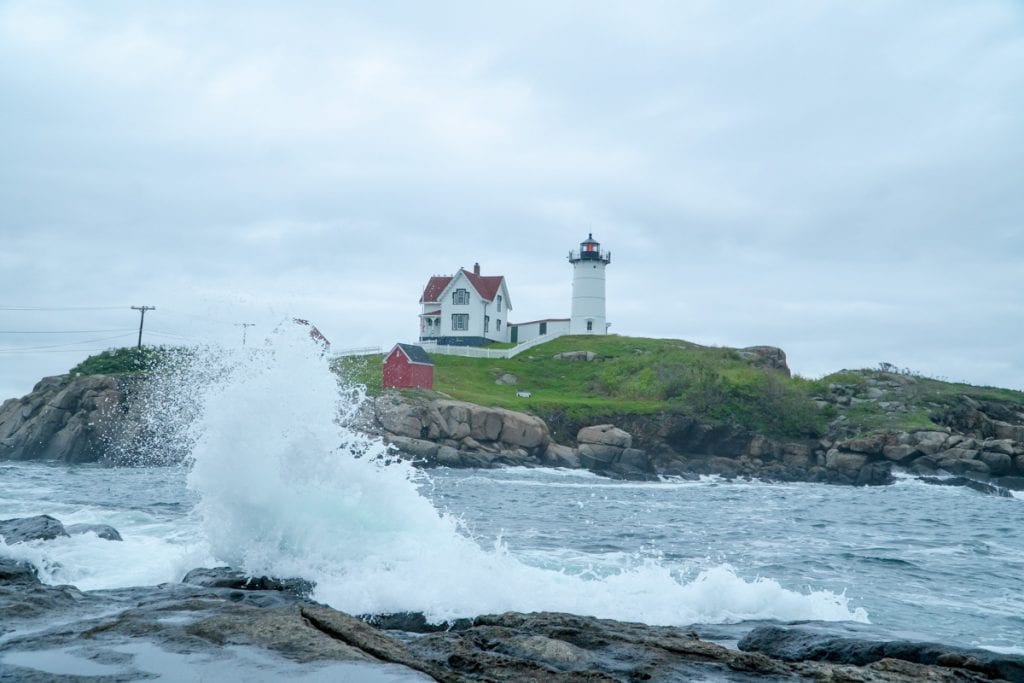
(460, 297)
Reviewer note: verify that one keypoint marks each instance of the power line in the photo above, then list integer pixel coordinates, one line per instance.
(123, 329)
(57, 346)
(61, 308)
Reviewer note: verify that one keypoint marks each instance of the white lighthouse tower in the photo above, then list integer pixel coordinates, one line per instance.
(588, 266)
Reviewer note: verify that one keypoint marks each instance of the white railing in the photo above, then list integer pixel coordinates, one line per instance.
(478, 352)
(361, 351)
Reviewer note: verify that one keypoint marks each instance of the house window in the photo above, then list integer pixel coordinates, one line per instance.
(498, 324)
(487, 324)
(499, 303)
(543, 328)
(460, 297)
(460, 321)
(590, 325)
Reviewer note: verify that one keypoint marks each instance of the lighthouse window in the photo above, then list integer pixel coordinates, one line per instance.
(499, 303)
(590, 325)
(460, 321)
(543, 328)
(487, 324)
(460, 297)
(498, 325)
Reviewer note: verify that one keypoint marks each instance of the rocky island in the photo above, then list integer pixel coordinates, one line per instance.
(621, 407)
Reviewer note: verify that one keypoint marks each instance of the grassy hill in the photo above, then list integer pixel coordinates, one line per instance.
(639, 376)
(629, 375)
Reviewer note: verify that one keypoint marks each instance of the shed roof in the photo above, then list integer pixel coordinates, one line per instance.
(414, 353)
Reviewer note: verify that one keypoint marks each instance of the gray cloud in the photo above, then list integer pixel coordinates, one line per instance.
(838, 179)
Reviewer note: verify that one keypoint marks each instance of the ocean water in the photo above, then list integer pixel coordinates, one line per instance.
(278, 484)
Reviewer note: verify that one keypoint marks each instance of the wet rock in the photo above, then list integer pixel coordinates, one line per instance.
(226, 577)
(63, 418)
(794, 645)
(557, 455)
(413, 622)
(22, 529)
(104, 531)
(17, 572)
(980, 486)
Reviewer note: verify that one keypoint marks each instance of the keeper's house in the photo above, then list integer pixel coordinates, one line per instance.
(465, 309)
(408, 366)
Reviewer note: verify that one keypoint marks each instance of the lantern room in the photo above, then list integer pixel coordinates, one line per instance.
(590, 250)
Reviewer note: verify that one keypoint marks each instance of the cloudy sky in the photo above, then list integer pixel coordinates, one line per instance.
(841, 179)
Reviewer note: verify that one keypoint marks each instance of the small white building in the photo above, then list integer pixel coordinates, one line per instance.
(552, 327)
(465, 309)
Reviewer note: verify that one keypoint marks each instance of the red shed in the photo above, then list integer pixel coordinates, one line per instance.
(408, 366)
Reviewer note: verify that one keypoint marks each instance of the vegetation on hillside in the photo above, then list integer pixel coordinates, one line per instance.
(630, 375)
(123, 361)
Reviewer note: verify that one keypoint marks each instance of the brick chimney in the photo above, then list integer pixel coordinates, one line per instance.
(476, 269)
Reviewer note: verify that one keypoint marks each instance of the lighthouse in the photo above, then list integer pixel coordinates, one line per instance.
(588, 266)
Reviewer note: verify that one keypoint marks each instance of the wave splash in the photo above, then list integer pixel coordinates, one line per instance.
(288, 487)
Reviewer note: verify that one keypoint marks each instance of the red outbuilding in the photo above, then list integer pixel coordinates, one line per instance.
(408, 366)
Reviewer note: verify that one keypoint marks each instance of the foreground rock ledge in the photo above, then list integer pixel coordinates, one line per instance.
(226, 609)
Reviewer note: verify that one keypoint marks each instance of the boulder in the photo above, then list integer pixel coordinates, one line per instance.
(836, 459)
(999, 446)
(606, 435)
(556, 455)
(485, 425)
(900, 453)
(576, 356)
(766, 357)
(507, 379)
(22, 529)
(998, 463)
(930, 442)
(226, 577)
(598, 456)
(417, 448)
(519, 429)
(104, 531)
(870, 445)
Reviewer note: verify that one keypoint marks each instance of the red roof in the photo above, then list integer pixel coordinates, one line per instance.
(487, 286)
(435, 285)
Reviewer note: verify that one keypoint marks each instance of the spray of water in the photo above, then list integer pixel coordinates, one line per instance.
(289, 488)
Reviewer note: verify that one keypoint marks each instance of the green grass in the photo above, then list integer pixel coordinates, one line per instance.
(128, 360)
(631, 375)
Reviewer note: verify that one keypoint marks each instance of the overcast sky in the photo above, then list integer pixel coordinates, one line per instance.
(843, 180)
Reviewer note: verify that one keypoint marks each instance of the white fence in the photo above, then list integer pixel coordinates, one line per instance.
(477, 352)
(361, 351)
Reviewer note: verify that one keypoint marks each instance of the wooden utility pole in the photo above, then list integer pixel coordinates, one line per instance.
(244, 326)
(142, 318)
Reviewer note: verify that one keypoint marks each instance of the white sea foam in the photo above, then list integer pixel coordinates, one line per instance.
(286, 490)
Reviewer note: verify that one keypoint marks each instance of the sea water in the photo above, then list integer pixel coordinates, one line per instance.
(279, 484)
